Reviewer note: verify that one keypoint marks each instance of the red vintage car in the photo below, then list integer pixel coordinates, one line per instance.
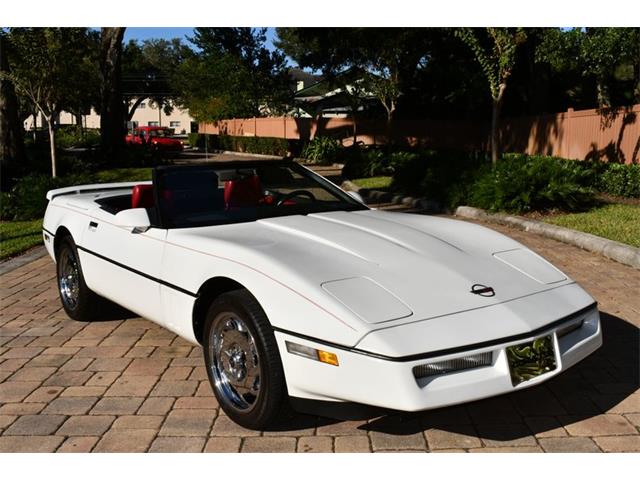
(156, 138)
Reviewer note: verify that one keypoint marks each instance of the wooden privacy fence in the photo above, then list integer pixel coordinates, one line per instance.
(612, 135)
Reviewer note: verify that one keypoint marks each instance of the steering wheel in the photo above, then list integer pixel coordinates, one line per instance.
(296, 193)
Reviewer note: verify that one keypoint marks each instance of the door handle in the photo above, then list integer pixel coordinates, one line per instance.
(93, 224)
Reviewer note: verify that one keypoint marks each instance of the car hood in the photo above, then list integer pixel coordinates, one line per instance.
(386, 268)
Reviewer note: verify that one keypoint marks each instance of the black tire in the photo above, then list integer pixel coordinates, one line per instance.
(271, 399)
(85, 304)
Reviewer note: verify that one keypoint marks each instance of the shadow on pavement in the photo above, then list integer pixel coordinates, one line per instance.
(109, 311)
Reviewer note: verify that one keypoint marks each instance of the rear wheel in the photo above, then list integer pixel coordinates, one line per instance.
(78, 300)
(242, 360)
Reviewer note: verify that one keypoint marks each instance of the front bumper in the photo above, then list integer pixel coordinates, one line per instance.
(391, 384)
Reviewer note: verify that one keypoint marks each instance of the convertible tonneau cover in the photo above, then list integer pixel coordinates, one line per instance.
(97, 187)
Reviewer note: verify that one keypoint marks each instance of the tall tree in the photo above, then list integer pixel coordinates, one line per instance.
(232, 74)
(390, 56)
(11, 138)
(150, 71)
(496, 54)
(606, 57)
(44, 69)
(112, 116)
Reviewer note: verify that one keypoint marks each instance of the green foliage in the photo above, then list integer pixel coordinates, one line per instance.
(498, 58)
(322, 150)
(258, 145)
(620, 180)
(364, 162)
(27, 199)
(232, 75)
(75, 136)
(196, 140)
(389, 56)
(55, 69)
(521, 183)
(442, 175)
(600, 54)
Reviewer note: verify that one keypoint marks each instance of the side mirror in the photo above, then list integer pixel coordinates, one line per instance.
(135, 218)
(355, 195)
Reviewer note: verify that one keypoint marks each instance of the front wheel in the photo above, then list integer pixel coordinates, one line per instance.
(242, 360)
(78, 301)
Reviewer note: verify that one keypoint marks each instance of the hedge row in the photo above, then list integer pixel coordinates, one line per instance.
(518, 183)
(259, 145)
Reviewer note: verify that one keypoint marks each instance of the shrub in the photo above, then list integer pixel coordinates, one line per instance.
(442, 175)
(262, 145)
(75, 136)
(364, 162)
(322, 150)
(258, 145)
(196, 140)
(620, 180)
(522, 183)
(27, 199)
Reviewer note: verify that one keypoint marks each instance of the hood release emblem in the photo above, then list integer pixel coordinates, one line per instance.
(483, 290)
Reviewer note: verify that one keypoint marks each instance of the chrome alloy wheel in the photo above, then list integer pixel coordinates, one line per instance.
(235, 361)
(69, 280)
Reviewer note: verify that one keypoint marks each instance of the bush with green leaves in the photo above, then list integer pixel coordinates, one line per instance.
(445, 176)
(620, 180)
(27, 199)
(521, 183)
(259, 145)
(362, 162)
(69, 136)
(322, 150)
(196, 140)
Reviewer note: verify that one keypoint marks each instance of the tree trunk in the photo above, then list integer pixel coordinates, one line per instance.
(11, 138)
(52, 146)
(134, 107)
(35, 125)
(495, 120)
(112, 115)
(390, 116)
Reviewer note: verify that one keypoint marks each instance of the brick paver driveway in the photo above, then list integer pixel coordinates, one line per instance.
(128, 385)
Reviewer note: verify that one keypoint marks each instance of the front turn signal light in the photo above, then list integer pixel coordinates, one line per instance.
(312, 353)
(328, 357)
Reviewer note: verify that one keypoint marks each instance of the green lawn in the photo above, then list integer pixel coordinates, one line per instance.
(615, 222)
(17, 237)
(373, 183)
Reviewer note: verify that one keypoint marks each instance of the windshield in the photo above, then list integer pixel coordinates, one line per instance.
(214, 195)
(159, 133)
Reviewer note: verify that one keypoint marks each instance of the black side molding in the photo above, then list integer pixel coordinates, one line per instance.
(138, 272)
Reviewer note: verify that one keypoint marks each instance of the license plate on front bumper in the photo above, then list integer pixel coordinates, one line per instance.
(531, 359)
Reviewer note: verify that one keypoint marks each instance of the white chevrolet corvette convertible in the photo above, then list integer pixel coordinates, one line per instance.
(301, 294)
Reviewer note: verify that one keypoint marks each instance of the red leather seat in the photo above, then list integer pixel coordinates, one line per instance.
(142, 196)
(243, 192)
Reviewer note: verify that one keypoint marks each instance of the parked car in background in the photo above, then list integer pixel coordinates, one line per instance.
(156, 138)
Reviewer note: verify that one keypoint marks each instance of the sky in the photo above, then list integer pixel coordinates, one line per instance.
(144, 33)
